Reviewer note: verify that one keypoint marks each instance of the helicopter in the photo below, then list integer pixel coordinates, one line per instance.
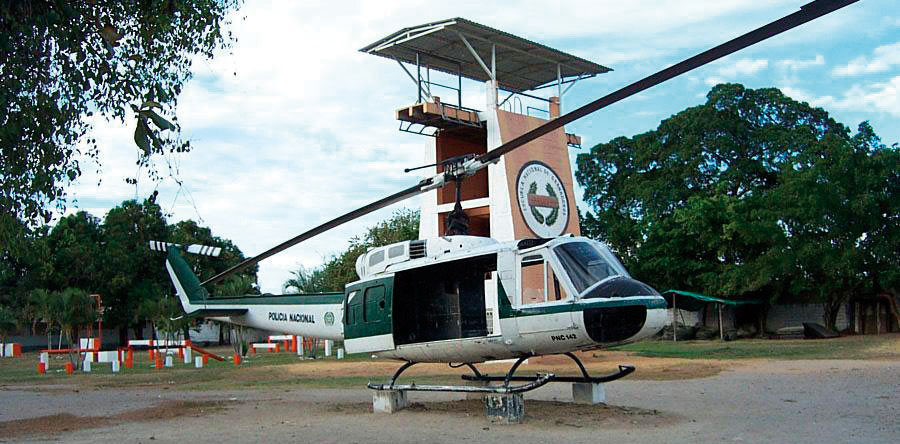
(462, 299)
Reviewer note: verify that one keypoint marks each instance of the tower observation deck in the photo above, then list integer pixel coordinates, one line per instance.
(529, 192)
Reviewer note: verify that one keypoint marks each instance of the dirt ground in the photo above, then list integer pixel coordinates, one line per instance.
(666, 400)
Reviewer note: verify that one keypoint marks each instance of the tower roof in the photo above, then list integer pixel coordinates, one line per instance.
(521, 64)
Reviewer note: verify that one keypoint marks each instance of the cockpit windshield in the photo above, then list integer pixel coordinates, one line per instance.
(586, 264)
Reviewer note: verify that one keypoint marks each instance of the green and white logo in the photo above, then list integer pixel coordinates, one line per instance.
(542, 200)
(329, 318)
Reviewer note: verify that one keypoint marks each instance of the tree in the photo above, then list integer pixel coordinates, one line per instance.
(8, 326)
(751, 195)
(76, 311)
(129, 277)
(62, 62)
(340, 269)
(76, 252)
(838, 206)
(236, 285)
(45, 309)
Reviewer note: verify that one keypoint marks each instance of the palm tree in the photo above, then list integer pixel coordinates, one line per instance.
(77, 311)
(44, 305)
(236, 286)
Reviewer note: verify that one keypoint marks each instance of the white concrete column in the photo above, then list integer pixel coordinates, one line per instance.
(187, 355)
(389, 401)
(588, 393)
(115, 366)
(169, 361)
(328, 345)
(340, 353)
(198, 362)
(491, 94)
(86, 365)
(45, 358)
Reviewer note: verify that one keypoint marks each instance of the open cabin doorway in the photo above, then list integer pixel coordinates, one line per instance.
(443, 301)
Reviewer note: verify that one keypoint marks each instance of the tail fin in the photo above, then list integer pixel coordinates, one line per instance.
(187, 285)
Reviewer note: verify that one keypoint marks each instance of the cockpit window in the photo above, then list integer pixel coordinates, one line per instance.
(584, 264)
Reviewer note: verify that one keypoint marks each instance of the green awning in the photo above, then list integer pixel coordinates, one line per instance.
(689, 301)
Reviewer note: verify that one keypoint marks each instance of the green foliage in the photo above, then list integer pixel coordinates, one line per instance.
(340, 269)
(237, 285)
(44, 305)
(8, 323)
(128, 277)
(64, 62)
(751, 195)
(74, 244)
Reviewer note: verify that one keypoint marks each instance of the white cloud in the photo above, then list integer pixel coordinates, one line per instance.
(881, 97)
(798, 64)
(735, 70)
(743, 67)
(883, 59)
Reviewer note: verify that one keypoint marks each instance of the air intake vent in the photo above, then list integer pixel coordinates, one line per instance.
(417, 249)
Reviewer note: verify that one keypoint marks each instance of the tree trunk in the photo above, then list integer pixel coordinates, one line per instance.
(762, 316)
(138, 329)
(123, 335)
(832, 307)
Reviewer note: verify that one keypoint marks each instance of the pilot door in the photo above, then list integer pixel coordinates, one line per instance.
(544, 302)
(367, 316)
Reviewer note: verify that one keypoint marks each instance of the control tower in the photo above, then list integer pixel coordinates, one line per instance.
(529, 192)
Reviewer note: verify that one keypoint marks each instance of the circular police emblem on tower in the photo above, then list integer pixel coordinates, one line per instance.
(542, 200)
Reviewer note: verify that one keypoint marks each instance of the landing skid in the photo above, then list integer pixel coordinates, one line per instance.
(532, 382)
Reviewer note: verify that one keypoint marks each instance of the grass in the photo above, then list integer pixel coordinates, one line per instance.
(851, 347)
(267, 370)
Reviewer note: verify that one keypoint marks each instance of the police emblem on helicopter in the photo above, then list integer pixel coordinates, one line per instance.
(542, 200)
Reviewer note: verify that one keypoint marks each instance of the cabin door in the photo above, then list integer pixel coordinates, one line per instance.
(544, 304)
(368, 321)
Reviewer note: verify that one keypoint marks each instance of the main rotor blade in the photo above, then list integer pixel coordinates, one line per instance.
(808, 12)
(359, 212)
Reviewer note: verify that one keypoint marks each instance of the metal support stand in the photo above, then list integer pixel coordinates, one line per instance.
(623, 371)
(533, 382)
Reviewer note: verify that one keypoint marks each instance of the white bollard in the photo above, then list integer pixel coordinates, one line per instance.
(45, 358)
(86, 365)
(340, 353)
(169, 363)
(328, 345)
(187, 355)
(299, 345)
(115, 366)
(198, 362)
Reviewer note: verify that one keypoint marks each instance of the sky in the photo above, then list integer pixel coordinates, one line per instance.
(293, 126)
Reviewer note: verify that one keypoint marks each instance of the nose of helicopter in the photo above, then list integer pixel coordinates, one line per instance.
(639, 311)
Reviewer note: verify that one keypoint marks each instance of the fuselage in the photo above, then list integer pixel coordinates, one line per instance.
(465, 299)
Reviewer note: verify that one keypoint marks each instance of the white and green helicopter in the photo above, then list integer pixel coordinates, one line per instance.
(460, 299)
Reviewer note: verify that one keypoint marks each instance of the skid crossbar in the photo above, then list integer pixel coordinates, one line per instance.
(536, 381)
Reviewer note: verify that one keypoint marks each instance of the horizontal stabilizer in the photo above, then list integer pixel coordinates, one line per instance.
(204, 250)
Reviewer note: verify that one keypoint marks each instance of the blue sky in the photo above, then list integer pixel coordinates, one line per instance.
(294, 126)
